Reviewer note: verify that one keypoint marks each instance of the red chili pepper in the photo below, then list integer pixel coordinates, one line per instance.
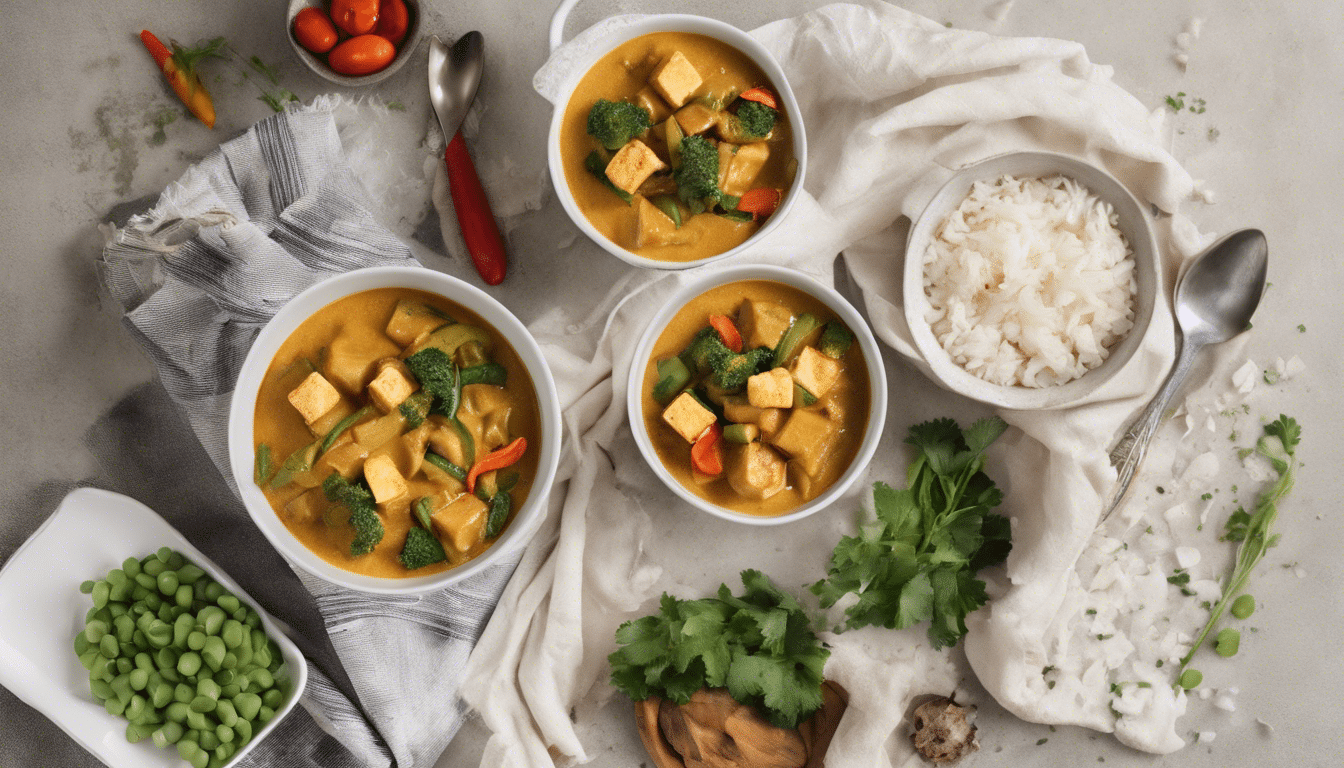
(707, 452)
(178, 68)
(499, 459)
(760, 202)
(761, 96)
(727, 332)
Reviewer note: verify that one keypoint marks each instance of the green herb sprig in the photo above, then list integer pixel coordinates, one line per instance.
(918, 561)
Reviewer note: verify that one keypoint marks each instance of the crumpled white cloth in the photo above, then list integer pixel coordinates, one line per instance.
(893, 103)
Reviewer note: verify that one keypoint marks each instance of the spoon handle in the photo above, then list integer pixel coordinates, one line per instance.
(1132, 447)
(479, 230)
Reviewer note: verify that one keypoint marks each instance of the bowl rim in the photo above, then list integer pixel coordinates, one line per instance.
(877, 385)
(1134, 223)
(414, 33)
(677, 22)
(241, 414)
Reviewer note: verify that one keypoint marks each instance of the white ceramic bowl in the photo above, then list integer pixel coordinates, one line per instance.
(718, 30)
(877, 385)
(319, 63)
(300, 308)
(1134, 224)
(41, 611)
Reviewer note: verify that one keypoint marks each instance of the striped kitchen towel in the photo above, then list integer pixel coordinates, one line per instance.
(262, 218)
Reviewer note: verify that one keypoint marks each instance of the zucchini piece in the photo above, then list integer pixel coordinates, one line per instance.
(673, 376)
(468, 442)
(297, 463)
(835, 340)
(449, 337)
(668, 205)
(470, 355)
(261, 471)
(500, 506)
(341, 426)
(423, 513)
(801, 397)
(792, 342)
(598, 168)
(486, 373)
(741, 433)
(673, 135)
(741, 217)
(447, 466)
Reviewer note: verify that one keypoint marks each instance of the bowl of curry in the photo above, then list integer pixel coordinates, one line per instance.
(758, 394)
(679, 143)
(394, 430)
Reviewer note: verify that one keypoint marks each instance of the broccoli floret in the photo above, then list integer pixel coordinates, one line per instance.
(416, 407)
(835, 340)
(613, 123)
(698, 176)
(755, 120)
(421, 549)
(734, 371)
(363, 512)
(706, 352)
(438, 375)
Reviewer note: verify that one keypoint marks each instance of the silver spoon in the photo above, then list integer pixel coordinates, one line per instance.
(1215, 299)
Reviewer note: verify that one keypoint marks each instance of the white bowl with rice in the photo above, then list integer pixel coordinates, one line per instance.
(1030, 279)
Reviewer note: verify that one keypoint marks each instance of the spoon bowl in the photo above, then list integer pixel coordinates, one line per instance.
(1214, 301)
(454, 76)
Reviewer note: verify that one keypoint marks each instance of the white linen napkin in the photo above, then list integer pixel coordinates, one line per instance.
(892, 103)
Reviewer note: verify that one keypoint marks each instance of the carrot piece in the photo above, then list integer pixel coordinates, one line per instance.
(761, 96)
(707, 452)
(760, 202)
(183, 79)
(499, 459)
(727, 331)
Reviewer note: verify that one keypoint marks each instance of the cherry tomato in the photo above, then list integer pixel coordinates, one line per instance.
(357, 17)
(314, 30)
(393, 21)
(361, 55)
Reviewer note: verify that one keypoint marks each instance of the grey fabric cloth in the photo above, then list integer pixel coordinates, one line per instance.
(262, 218)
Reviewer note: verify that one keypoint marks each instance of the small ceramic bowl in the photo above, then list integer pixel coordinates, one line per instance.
(318, 63)
(702, 26)
(866, 344)
(242, 411)
(1133, 223)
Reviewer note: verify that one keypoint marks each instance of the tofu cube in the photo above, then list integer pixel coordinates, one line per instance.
(633, 165)
(687, 417)
(352, 355)
(652, 227)
(344, 458)
(762, 323)
(387, 484)
(697, 118)
(744, 167)
(411, 319)
(676, 79)
(805, 437)
(736, 408)
(650, 100)
(460, 522)
(815, 372)
(314, 397)
(392, 386)
(772, 389)
(756, 471)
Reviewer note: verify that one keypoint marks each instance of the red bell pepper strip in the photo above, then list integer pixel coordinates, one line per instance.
(727, 332)
(178, 67)
(760, 202)
(499, 459)
(707, 452)
(761, 96)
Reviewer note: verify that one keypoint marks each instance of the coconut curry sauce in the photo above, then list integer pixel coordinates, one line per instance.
(781, 444)
(695, 82)
(345, 371)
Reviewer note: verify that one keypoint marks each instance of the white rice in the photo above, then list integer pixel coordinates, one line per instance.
(1029, 281)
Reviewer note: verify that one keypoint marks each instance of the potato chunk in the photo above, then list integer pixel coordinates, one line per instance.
(745, 166)
(387, 484)
(633, 165)
(772, 389)
(688, 417)
(650, 100)
(815, 372)
(697, 118)
(762, 323)
(352, 355)
(676, 79)
(460, 522)
(314, 397)
(805, 437)
(755, 471)
(392, 386)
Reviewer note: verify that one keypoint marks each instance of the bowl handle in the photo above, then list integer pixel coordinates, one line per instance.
(558, 20)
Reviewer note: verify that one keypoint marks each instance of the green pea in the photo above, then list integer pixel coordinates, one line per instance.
(187, 748)
(114, 706)
(136, 733)
(136, 707)
(262, 678)
(143, 579)
(89, 657)
(176, 711)
(230, 660)
(161, 695)
(168, 733)
(95, 630)
(243, 731)
(247, 705)
(100, 690)
(117, 577)
(196, 640)
(152, 567)
(228, 601)
(208, 687)
(230, 690)
(1227, 643)
(199, 721)
(108, 647)
(167, 582)
(213, 591)
(1243, 607)
(213, 652)
(224, 733)
(190, 573)
(189, 663)
(184, 596)
(184, 693)
(232, 633)
(86, 586)
(1190, 678)
(176, 560)
(265, 714)
(273, 698)
(225, 751)
(159, 633)
(125, 665)
(209, 740)
(203, 704)
(213, 618)
(139, 678)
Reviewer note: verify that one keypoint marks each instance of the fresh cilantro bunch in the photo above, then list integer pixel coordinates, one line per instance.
(759, 646)
(1278, 443)
(918, 561)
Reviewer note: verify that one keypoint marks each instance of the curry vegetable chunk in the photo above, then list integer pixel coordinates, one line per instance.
(665, 135)
(382, 405)
(777, 437)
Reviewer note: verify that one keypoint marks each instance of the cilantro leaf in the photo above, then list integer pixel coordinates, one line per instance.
(918, 562)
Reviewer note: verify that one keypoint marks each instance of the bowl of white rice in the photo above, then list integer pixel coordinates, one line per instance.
(1030, 279)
